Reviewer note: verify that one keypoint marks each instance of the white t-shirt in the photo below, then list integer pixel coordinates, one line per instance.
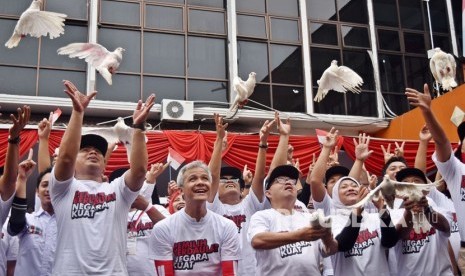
(138, 232)
(5, 207)
(453, 172)
(240, 214)
(422, 254)
(196, 248)
(37, 244)
(92, 223)
(300, 258)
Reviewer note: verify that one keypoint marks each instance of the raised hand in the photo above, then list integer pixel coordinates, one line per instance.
(247, 174)
(141, 113)
(425, 134)
(80, 101)
(19, 122)
(283, 128)
(418, 99)
(172, 187)
(44, 127)
(265, 131)
(333, 158)
(155, 171)
(399, 150)
(26, 167)
(361, 147)
(387, 153)
(331, 138)
(220, 127)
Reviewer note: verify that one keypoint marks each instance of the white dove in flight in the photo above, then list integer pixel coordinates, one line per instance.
(338, 78)
(390, 189)
(244, 90)
(37, 23)
(443, 68)
(119, 133)
(104, 61)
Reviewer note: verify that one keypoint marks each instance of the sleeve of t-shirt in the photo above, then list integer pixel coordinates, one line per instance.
(128, 195)
(147, 190)
(58, 189)
(162, 210)
(325, 205)
(161, 246)
(252, 203)
(230, 249)
(258, 224)
(451, 171)
(216, 206)
(13, 247)
(5, 207)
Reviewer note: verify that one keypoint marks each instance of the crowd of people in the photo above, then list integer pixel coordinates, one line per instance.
(225, 220)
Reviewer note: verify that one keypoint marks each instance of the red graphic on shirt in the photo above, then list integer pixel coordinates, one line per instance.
(364, 240)
(462, 188)
(139, 229)
(454, 225)
(187, 253)
(86, 205)
(238, 220)
(32, 229)
(416, 241)
(299, 209)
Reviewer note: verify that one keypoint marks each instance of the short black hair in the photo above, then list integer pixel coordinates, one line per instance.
(392, 160)
(41, 175)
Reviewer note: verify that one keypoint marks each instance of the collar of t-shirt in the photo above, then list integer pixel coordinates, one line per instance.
(194, 221)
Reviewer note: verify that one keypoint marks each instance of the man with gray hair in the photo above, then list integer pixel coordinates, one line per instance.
(194, 239)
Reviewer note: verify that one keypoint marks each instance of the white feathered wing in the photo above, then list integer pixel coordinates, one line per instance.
(244, 90)
(443, 68)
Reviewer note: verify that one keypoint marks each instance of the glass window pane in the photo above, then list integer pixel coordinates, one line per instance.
(321, 9)
(418, 71)
(163, 17)
(439, 16)
(207, 3)
(397, 103)
(385, 13)
(261, 95)
(324, 33)
(284, 30)
(207, 57)
(355, 36)
(14, 7)
(410, 14)
(286, 63)
(51, 82)
(207, 22)
(18, 81)
(129, 40)
(287, 98)
(388, 40)
(284, 8)
(443, 42)
(252, 57)
(363, 104)
(253, 26)
(167, 1)
(321, 60)
(49, 57)
(256, 6)
(125, 88)
(207, 91)
(164, 54)
(391, 73)
(120, 13)
(164, 88)
(414, 43)
(25, 53)
(74, 9)
(333, 103)
(354, 11)
(361, 63)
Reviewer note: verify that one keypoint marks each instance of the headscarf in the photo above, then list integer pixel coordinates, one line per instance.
(172, 198)
(337, 204)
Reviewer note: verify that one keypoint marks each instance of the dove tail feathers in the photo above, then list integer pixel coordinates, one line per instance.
(448, 84)
(106, 75)
(13, 41)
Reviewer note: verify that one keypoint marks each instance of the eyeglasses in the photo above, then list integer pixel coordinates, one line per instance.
(284, 180)
(226, 180)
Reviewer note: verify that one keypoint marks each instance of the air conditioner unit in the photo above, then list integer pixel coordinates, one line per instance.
(176, 110)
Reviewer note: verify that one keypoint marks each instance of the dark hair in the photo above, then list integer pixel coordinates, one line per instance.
(392, 160)
(41, 175)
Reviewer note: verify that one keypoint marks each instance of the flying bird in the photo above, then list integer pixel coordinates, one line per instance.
(390, 189)
(104, 61)
(37, 23)
(119, 133)
(443, 68)
(338, 78)
(244, 90)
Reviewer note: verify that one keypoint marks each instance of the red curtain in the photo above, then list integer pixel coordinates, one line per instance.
(242, 148)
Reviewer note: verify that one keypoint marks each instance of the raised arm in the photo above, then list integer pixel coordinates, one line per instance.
(215, 161)
(423, 101)
(260, 164)
(280, 156)
(135, 176)
(10, 172)
(18, 210)
(43, 130)
(318, 174)
(143, 205)
(420, 157)
(361, 154)
(69, 146)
